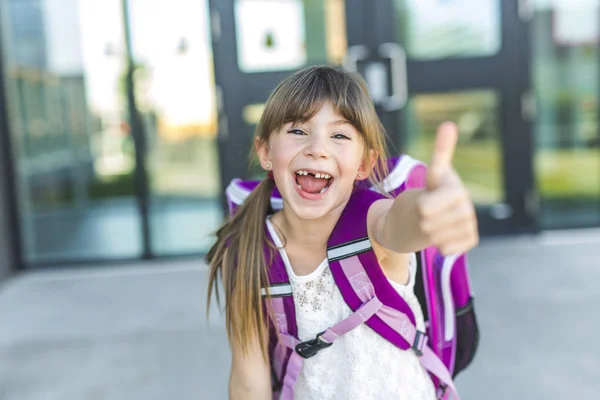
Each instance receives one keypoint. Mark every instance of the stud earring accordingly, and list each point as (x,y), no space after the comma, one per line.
(359,176)
(268,165)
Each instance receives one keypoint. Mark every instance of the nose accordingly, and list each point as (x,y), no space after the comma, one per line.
(317,147)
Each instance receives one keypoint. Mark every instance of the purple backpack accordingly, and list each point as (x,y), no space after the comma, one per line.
(442,287)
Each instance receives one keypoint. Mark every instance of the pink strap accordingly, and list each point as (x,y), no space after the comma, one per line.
(432,363)
(291,375)
(286,340)
(358,317)
(398,321)
(429,360)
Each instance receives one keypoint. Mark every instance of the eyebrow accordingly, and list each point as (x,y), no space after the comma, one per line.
(340,122)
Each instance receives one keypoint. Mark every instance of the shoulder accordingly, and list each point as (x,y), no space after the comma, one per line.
(369,204)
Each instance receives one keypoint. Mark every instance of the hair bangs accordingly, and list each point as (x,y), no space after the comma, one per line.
(306,96)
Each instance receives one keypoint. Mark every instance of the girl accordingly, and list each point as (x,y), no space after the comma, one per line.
(318,137)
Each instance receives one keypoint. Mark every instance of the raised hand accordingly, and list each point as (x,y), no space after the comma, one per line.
(447,214)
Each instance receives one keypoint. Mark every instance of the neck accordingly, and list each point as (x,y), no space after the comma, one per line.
(310,234)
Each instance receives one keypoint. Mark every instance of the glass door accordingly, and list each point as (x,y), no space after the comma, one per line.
(256,43)
(427,61)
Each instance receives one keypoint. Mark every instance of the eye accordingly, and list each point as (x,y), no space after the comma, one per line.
(296,132)
(340,136)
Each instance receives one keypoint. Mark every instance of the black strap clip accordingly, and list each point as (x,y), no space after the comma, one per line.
(419,343)
(311,347)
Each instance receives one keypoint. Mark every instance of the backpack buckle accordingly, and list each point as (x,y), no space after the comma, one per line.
(419,343)
(311,347)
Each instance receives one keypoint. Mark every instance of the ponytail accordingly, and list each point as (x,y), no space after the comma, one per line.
(238,257)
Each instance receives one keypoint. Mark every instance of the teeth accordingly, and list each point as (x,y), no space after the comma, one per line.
(324,189)
(318,175)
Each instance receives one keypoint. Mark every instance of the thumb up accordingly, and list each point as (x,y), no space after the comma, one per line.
(447,214)
(443,151)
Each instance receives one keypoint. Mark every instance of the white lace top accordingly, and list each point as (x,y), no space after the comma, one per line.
(360,365)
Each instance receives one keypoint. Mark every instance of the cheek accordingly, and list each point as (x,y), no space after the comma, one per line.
(351,159)
(282,154)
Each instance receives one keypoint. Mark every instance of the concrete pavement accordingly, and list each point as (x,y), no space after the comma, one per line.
(140,331)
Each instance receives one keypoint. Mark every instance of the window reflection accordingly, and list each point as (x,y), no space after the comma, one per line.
(433,29)
(478,153)
(288,34)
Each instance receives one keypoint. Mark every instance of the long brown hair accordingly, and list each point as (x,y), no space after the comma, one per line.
(238,254)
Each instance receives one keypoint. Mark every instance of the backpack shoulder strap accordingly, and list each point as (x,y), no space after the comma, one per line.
(282,327)
(361,281)
(405,173)
(348,239)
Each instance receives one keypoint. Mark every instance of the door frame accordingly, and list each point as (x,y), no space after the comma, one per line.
(10,228)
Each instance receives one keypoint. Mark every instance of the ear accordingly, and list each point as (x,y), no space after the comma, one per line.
(367,165)
(264,153)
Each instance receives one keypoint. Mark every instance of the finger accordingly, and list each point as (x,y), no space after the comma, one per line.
(443,151)
(435,204)
(445,144)
(459,247)
(459,215)
(448,236)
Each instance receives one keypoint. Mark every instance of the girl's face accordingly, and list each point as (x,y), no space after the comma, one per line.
(315,163)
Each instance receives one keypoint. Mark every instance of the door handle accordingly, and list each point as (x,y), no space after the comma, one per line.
(354,54)
(397,100)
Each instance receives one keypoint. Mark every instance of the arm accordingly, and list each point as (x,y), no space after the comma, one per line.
(393,263)
(397,226)
(250,377)
(442,214)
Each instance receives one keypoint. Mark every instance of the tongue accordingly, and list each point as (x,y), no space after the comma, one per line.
(311,184)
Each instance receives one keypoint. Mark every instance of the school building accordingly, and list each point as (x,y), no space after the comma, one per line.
(122,121)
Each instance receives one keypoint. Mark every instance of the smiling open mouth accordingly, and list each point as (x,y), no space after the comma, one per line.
(313,182)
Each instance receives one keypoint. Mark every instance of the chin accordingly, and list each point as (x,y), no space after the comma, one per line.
(316,210)
(310,213)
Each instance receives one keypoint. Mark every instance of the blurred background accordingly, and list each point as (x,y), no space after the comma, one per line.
(122,121)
